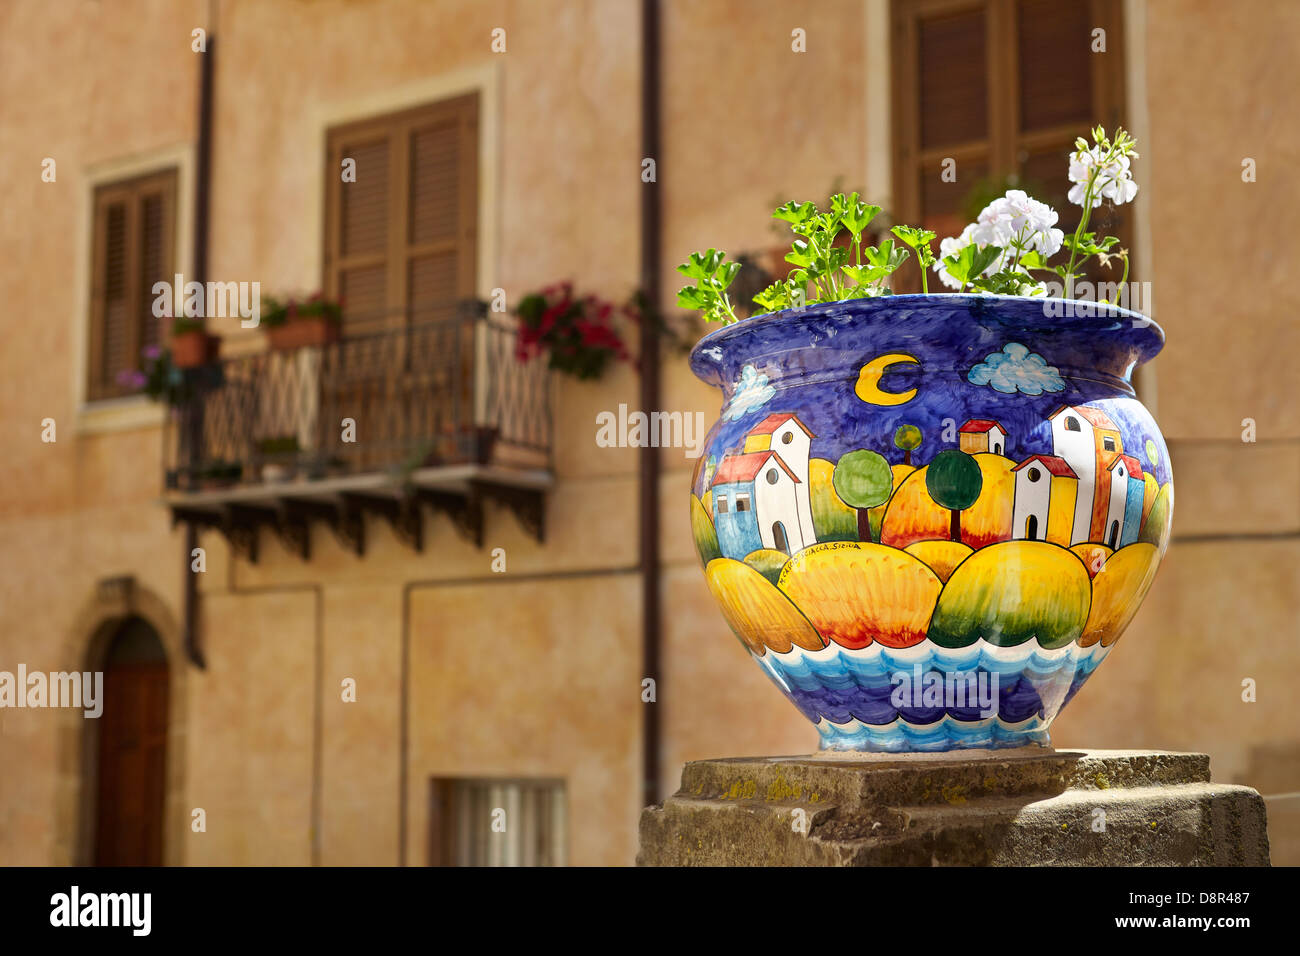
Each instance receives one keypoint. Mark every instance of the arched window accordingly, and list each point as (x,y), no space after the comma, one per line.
(1114,534)
(1072,424)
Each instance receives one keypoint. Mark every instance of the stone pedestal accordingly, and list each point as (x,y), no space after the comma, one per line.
(965,808)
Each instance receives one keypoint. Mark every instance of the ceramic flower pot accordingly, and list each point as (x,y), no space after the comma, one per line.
(193,349)
(301,332)
(929,518)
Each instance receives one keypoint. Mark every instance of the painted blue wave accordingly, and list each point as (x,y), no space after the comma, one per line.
(849,694)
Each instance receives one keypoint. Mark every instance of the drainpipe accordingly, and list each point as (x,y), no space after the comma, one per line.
(202,189)
(651,242)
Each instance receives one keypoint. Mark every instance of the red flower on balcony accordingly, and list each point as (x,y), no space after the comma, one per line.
(577,333)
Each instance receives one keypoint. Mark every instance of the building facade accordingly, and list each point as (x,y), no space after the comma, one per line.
(341,674)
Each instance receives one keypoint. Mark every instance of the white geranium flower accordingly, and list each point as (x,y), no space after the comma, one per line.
(1019,219)
(1114,179)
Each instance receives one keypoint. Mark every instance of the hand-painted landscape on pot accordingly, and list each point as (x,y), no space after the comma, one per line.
(985,529)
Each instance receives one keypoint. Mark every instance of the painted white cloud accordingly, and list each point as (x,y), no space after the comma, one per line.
(752,391)
(1016,369)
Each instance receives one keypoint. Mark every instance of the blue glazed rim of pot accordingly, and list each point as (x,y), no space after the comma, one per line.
(1114,340)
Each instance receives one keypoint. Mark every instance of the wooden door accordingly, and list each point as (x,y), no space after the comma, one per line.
(132,764)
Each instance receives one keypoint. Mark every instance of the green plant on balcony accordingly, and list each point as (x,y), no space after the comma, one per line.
(161,379)
(292,323)
(279,456)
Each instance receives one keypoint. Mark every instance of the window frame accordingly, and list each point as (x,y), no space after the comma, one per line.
(131,190)
(396,127)
(1004,141)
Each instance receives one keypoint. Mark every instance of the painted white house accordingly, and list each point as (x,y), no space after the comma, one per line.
(982,435)
(761,497)
(791,439)
(1046,487)
(1073,440)
(755,505)
(1124,512)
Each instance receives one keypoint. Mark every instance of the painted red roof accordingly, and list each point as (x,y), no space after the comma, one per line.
(745,467)
(773,422)
(1053,463)
(1134,468)
(1099,419)
(979,426)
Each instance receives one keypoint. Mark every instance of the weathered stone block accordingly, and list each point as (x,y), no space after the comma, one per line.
(964,808)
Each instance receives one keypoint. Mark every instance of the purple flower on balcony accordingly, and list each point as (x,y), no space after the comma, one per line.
(151,352)
(131,378)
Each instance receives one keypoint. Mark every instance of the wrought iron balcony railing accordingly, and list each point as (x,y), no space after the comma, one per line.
(419,396)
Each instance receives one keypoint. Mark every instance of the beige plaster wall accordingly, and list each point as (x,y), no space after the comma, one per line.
(287,771)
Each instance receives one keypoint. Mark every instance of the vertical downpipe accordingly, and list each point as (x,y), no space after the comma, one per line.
(194,422)
(651,241)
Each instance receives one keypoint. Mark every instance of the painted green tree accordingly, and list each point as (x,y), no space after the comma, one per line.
(954,481)
(908,438)
(863,480)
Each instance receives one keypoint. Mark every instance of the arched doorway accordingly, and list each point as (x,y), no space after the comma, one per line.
(131,749)
(779,539)
(1114,535)
(1031,528)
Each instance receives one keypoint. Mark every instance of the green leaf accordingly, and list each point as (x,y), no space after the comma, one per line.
(726,272)
(918,240)
(801,253)
(795,213)
(970,262)
(857,215)
(1033,259)
(693,298)
(885,256)
(774,298)
(865,275)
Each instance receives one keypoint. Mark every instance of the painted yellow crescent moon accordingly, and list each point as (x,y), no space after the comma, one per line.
(868,387)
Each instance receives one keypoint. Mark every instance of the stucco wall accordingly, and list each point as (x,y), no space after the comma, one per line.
(521,673)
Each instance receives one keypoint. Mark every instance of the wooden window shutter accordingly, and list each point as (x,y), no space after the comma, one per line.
(134,243)
(1002,87)
(400,243)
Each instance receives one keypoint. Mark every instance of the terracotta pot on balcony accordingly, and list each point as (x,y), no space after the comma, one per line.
(297,333)
(192,349)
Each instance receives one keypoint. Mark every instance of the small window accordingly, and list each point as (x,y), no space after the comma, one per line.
(742,502)
(787,438)
(1072,424)
(1034,474)
(772,476)
(722,504)
(463,813)
(134,228)
(1108,443)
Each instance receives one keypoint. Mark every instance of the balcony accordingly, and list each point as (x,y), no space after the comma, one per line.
(423,415)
